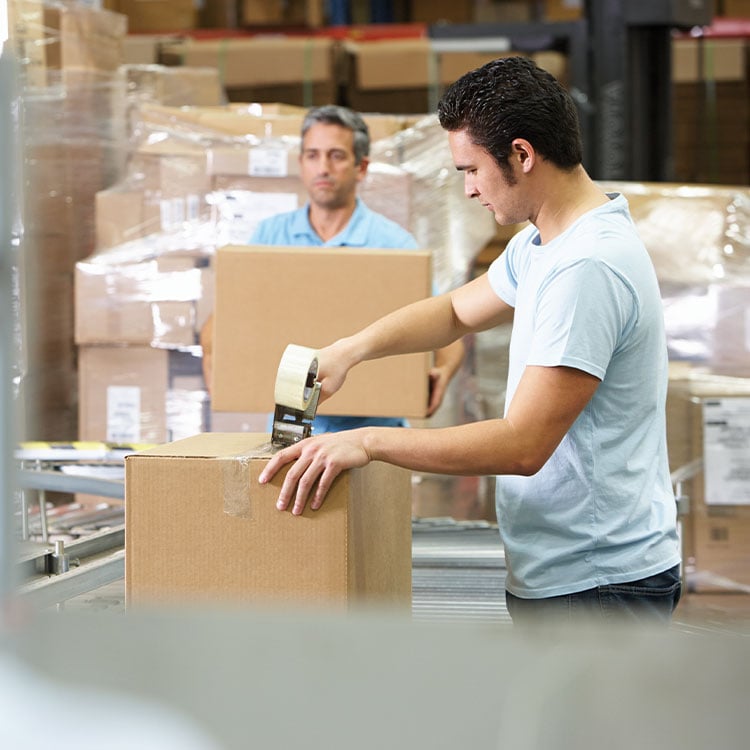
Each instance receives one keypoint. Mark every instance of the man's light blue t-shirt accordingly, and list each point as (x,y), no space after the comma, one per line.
(366,228)
(601,510)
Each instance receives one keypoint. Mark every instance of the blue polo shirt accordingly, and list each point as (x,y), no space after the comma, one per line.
(366,228)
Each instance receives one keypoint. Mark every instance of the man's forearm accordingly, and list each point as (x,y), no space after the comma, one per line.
(427,325)
(450,357)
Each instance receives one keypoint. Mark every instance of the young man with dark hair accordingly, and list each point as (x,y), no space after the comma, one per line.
(584,500)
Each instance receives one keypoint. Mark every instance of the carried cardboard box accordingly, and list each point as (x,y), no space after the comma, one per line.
(200,528)
(269,297)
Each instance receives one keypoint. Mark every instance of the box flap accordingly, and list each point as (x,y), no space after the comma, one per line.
(213,445)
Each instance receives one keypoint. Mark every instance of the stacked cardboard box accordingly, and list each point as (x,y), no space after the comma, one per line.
(708,418)
(203,183)
(294,70)
(272,13)
(694,234)
(72,148)
(408,76)
(147,16)
(711,101)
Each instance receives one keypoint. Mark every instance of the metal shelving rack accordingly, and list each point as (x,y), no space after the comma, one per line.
(619,75)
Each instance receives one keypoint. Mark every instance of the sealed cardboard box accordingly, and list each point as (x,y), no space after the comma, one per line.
(148,301)
(53,37)
(708,424)
(123,393)
(269,297)
(199,527)
(158,15)
(259,61)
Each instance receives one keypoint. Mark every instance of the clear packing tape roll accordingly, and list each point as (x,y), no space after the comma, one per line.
(295,379)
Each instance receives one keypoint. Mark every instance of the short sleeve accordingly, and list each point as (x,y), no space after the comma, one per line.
(583,314)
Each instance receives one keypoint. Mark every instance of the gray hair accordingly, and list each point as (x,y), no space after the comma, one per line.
(332,114)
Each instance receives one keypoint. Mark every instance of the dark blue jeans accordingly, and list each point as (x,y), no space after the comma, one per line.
(650,600)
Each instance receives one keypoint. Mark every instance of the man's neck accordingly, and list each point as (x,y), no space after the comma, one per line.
(565,201)
(328,222)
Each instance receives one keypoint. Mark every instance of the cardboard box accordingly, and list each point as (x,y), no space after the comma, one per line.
(442,11)
(709,60)
(199,528)
(290,13)
(146,301)
(722,552)
(734,8)
(258,60)
(158,15)
(173,86)
(50,38)
(503,11)
(141,49)
(269,297)
(563,10)
(717,526)
(146,394)
(408,76)
(123,215)
(122,394)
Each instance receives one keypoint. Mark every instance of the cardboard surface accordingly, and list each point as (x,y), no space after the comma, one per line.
(717,532)
(257,60)
(269,297)
(199,527)
(122,393)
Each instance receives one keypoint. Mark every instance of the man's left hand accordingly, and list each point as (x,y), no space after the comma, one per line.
(317,461)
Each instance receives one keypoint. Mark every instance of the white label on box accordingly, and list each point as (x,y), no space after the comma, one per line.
(240,211)
(268,162)
(123,414)
(193,207)
(726,450)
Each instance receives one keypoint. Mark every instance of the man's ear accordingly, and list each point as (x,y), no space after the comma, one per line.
(523,152)
(362,167)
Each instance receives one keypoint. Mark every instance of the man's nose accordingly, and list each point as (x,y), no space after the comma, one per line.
(470,188)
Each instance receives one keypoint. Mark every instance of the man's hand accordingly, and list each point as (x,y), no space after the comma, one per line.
(447,361)
(317,462)
(439,380)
